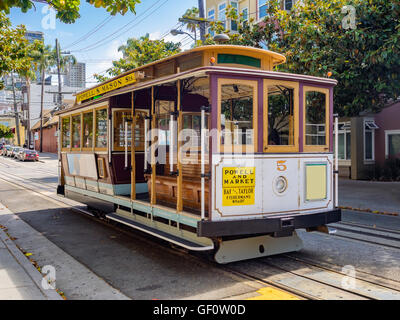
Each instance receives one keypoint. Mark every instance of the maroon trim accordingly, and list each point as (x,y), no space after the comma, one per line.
(301,117)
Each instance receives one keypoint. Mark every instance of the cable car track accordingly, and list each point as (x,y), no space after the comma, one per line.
(200,258)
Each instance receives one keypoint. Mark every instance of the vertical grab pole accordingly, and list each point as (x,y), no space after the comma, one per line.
(171,143)
(146,143)
(203,158)
(336,160)
(126,143)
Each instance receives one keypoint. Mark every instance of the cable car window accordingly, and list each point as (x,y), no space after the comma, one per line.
(76,131)
(280,115)
(139,129)
(237,104)
(316,116)
(66,133)
(193,122)
(88,130)
(101,128)
(120,118)
(163,112)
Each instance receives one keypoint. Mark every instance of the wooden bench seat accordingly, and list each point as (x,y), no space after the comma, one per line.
(167,188)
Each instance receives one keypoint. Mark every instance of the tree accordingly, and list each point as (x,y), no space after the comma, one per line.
(365,60)
(138,52)
(15,56)
(68,10)
(5,132)
(45,58)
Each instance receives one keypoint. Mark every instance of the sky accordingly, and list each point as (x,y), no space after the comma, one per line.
(95,37)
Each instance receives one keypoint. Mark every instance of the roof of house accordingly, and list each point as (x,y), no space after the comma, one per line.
(48,120)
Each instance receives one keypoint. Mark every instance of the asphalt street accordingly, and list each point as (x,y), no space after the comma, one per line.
(141,267)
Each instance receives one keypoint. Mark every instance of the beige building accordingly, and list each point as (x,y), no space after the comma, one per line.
(251,9)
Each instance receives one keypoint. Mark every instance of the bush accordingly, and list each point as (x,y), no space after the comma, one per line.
(390,171)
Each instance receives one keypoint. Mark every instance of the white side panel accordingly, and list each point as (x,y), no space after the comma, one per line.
(263,198)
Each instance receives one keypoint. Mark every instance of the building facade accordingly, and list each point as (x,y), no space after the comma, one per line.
(250,9)
(50,135)
(367,141)
(76,75)
(10,122)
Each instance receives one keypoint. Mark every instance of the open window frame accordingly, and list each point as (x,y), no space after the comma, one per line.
(281,148)
(317,148)
(238,148)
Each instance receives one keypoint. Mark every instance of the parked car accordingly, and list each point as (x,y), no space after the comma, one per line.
(4,150)
(28,155)
(14,152)
(9,151)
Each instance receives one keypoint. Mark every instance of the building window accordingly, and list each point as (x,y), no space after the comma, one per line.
(262,8)
(288,4)
(76,131)
(211,17)
(88,130)
(101,128)
(234,25)
(369,140)
(392,139)
(344,136)
(245,15)
(222,14)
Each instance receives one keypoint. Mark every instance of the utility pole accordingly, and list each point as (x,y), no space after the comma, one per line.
(202,24)
(59,100)
(41,112)
(16,110)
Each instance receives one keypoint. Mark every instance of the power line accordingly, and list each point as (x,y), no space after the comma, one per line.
(94,30)
(101,42)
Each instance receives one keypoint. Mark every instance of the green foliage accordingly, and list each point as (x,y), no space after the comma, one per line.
(138,52)
(15,49)
(364,60)
(5,132)
(68,10)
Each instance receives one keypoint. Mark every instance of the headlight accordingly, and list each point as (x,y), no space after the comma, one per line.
(281,184)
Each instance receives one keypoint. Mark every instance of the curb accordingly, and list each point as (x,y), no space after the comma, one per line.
(32,272)
(393,214)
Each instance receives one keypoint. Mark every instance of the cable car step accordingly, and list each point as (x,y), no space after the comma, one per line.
(187,244)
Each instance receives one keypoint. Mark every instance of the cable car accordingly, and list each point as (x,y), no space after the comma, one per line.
(208,149)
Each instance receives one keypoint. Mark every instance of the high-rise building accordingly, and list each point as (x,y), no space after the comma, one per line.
(76,75)
(34,35)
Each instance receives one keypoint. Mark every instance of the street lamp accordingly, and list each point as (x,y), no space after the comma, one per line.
(176,32)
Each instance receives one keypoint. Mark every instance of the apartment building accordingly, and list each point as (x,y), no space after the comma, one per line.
(251,9)
(76,75)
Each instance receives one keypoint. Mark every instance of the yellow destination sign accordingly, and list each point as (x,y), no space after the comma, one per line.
(238,186)
(107,87)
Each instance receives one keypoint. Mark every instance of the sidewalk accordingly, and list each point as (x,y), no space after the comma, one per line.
(45,156)
(371,196)
(19,279)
